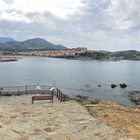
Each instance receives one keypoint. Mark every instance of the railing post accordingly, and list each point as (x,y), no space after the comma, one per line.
(61,97)
(26,89)
(18,90)
(32,100)
(52,95)
(57,93)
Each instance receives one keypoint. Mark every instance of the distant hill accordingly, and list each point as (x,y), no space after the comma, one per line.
(30,44)
(119,55)
(129,55)
(6,39)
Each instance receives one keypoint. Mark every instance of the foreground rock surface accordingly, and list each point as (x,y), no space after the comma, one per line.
(52,121)
(126,120)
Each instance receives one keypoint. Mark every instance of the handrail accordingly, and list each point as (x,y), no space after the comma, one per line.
(32,89)
(60,95)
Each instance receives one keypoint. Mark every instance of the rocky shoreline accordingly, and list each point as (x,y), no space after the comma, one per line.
(134,96)
(8,59)
(119,117)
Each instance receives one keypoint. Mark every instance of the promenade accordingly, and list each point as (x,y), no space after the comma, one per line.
(21,120)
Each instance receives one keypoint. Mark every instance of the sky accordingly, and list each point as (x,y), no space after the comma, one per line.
(96,24)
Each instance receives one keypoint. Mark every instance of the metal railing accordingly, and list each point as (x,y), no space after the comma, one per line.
(21,90)
(60,95)
(32,89)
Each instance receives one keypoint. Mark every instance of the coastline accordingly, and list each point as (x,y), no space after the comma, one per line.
(111,59)
(76,58)
(9,60)
(6,58)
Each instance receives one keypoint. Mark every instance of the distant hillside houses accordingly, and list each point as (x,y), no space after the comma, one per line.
(80,49)
(1,53)
(70,53)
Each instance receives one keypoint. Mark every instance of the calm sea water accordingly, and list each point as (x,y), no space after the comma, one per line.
(75,76)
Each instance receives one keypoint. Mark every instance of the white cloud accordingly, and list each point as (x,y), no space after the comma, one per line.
(3,5)
(124,14)
(60,8)
(9,1)
(13,15)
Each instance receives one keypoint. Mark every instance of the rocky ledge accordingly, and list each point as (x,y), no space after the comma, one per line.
(135,97)
(53,121)
(122,118)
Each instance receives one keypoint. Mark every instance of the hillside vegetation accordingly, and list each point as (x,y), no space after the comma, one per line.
(29,45)
(120,55)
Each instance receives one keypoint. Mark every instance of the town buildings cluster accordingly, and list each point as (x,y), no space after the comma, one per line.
(1,53)
(56,53)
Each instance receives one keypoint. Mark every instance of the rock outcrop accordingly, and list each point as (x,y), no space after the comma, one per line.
(135,97)
(123,85)
(113,85)
(122,118)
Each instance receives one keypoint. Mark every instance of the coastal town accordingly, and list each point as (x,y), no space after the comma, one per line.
(4,58)
(81,53)
(68,53)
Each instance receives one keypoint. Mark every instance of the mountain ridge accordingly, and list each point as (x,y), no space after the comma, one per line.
(30,44)
(6,39)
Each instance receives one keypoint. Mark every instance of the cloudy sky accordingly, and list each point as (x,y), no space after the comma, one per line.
(95,24)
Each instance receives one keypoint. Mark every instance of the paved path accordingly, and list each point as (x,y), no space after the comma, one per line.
(23,99)
(51,121)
